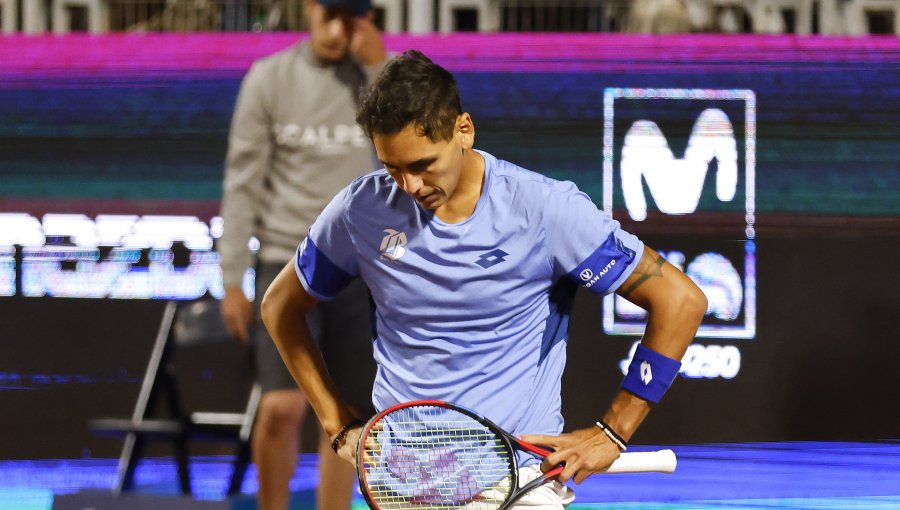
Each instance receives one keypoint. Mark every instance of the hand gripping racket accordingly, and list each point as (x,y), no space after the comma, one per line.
(430,455)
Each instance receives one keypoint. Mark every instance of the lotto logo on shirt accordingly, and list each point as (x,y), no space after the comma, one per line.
(679,171)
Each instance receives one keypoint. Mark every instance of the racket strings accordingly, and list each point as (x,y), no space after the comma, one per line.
(430,457)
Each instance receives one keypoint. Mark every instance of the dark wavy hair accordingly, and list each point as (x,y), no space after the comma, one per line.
(411,89)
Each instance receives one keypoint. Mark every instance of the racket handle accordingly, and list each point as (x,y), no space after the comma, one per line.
(661,461)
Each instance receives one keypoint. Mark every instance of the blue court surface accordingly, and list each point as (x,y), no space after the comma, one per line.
(795,475)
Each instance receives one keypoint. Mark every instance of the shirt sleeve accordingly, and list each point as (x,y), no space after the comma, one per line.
(586,244)
(246,167)
(326,260)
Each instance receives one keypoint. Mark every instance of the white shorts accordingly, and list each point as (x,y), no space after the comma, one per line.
(549,496)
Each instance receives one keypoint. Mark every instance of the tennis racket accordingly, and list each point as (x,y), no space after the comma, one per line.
(430,454)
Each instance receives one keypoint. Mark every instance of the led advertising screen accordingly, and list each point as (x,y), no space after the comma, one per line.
(764,167)
(111,148)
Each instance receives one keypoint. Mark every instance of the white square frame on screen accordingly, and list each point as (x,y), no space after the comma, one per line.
(746,330)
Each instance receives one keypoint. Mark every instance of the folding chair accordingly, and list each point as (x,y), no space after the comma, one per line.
(183,325)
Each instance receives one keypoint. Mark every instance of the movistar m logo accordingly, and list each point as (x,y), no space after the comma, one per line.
(491,258)
(676,184)
(707,144)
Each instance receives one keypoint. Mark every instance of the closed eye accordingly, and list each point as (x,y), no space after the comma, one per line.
(418,166)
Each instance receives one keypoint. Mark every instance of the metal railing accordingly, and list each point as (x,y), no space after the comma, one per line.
(856,17)
(562,15)
(205,15)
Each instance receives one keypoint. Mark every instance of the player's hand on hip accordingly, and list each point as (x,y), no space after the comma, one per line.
(366,43)
(584,452)
(237,312)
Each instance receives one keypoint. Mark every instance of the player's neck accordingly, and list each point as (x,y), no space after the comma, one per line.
(471,180)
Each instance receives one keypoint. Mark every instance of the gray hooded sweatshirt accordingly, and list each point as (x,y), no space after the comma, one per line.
(294,143)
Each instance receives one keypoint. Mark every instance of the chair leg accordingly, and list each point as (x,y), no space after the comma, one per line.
(241,462)
(131,453)
(181,457)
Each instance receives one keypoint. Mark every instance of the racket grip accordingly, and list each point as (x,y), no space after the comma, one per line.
(661,461)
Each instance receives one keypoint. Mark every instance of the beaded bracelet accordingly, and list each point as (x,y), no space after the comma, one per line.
(611,434)
(341,436)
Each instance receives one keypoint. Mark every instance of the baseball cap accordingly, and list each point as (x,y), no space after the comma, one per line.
(357,7)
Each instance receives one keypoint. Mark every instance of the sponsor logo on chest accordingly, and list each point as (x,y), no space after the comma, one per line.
(393,244)
(393,247)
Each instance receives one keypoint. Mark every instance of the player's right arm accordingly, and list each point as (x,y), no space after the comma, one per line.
(284,310)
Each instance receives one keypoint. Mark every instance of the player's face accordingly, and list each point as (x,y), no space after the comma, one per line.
(330,30)
(429,171)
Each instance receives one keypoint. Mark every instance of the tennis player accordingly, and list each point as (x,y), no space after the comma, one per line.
(473,264)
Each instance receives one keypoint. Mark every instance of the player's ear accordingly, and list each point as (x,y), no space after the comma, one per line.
(465,128)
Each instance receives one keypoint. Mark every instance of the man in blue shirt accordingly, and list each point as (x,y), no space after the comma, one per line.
(473,264)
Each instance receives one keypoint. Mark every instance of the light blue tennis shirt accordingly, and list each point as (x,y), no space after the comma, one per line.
(475,313)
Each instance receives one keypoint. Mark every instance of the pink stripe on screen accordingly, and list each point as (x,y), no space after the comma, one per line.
(127,55)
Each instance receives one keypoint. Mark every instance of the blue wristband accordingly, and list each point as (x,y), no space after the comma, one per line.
(650,374)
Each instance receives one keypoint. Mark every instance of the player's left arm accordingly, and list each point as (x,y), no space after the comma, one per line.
(675,307)
(674,303)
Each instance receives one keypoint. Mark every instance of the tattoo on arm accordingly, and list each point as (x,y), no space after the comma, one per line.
(647,269)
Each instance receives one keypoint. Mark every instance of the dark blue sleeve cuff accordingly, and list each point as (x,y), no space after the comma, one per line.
(318,274)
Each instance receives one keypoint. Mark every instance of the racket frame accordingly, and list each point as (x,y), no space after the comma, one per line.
(510,441)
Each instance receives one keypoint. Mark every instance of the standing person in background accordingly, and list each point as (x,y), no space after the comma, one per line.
(294,143)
